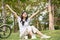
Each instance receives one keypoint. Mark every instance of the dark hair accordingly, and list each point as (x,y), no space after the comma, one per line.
(22,18)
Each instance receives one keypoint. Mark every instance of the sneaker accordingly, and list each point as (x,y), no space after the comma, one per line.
(33,37)
(25,37)
(45,36)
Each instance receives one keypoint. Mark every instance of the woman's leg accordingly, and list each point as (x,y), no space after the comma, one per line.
(31,33)
(39,33)
(35,30)
(23,32)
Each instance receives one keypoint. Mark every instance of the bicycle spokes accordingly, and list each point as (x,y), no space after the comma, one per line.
(5,31)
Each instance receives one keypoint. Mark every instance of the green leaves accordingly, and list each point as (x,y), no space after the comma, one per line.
(23,0)
(33,0)
(56,2)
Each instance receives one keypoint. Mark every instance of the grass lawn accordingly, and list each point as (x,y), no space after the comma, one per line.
(55,35)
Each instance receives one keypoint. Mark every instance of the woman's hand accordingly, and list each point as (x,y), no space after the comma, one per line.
(12,10)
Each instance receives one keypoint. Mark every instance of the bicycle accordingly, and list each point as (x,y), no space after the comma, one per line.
(5,31)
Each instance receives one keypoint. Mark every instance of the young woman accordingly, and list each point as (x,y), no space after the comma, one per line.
(24,26)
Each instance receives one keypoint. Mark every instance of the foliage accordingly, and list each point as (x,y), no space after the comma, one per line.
(31,6)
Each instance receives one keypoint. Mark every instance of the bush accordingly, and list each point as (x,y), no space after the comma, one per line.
(9,21)
(57,27)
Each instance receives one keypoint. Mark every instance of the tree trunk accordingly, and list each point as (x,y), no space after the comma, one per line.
(51,23)
(53,15)
(15,25)
(3,14)
(37,24)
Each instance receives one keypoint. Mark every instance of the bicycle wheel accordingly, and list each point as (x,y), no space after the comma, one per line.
(6,31)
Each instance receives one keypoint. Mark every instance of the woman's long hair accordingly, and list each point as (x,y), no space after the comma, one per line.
(22,18)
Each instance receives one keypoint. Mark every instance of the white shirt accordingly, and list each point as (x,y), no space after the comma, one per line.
(26,24)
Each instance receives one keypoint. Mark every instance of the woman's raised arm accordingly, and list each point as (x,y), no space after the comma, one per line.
(15,14)
(34,14)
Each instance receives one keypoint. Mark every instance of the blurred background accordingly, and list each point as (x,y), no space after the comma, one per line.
(47,19)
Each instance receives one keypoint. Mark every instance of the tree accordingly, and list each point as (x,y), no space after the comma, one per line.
(51,20)
(3,14)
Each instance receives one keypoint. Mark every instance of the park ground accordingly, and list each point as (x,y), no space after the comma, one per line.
(55,35)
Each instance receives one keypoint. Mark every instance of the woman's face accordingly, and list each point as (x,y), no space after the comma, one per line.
(24,15)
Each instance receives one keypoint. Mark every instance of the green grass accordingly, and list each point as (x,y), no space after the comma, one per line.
(55,35)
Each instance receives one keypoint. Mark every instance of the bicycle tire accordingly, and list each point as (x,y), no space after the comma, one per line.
(7,26)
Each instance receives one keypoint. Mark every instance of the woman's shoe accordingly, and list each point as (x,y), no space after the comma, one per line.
(33,37)
(25,37)
(45,36)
